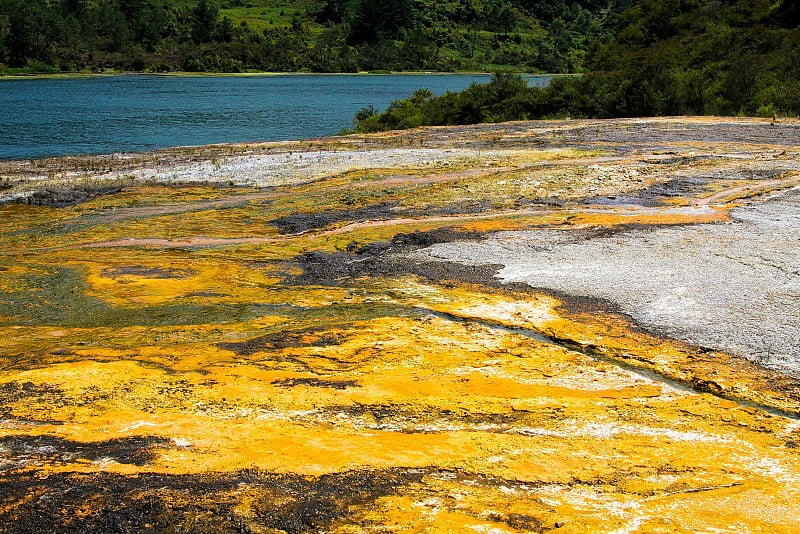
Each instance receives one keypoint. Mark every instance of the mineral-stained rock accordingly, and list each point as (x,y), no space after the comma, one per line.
(530,327)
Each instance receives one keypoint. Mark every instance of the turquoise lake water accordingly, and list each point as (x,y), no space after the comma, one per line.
(97,115)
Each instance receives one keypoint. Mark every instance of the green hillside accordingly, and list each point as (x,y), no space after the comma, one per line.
(301,35)
(672,57)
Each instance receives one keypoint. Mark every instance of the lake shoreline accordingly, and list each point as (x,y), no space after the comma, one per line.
(139,112)
(186,74)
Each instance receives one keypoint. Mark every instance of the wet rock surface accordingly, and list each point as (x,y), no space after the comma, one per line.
(566,326)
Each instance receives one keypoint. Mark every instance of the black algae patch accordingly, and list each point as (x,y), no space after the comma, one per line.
(658,194)
(62,198)
(297,223)
(591,305)
(384,259)
(17,391)
(109,503)
(341,268)
(28,393)
(432,237)
(523,522)
(284,340)
(23,450)
(315,383)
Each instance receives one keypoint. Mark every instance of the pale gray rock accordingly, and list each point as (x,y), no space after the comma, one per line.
(732,286)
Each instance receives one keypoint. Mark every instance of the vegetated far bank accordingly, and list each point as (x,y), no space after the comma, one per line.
(680,57)
(301,35)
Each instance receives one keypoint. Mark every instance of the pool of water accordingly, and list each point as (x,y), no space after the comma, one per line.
(95,115)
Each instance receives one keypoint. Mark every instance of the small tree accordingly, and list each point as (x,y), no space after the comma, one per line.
(204,21)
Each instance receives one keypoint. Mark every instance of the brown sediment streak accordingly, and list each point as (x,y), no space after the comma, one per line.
(171,361)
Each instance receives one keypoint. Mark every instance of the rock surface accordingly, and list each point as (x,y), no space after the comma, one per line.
(733,286)
(310,337)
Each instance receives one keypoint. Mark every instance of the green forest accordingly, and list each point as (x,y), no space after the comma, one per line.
(670,57)
(302,35)
(629,57)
